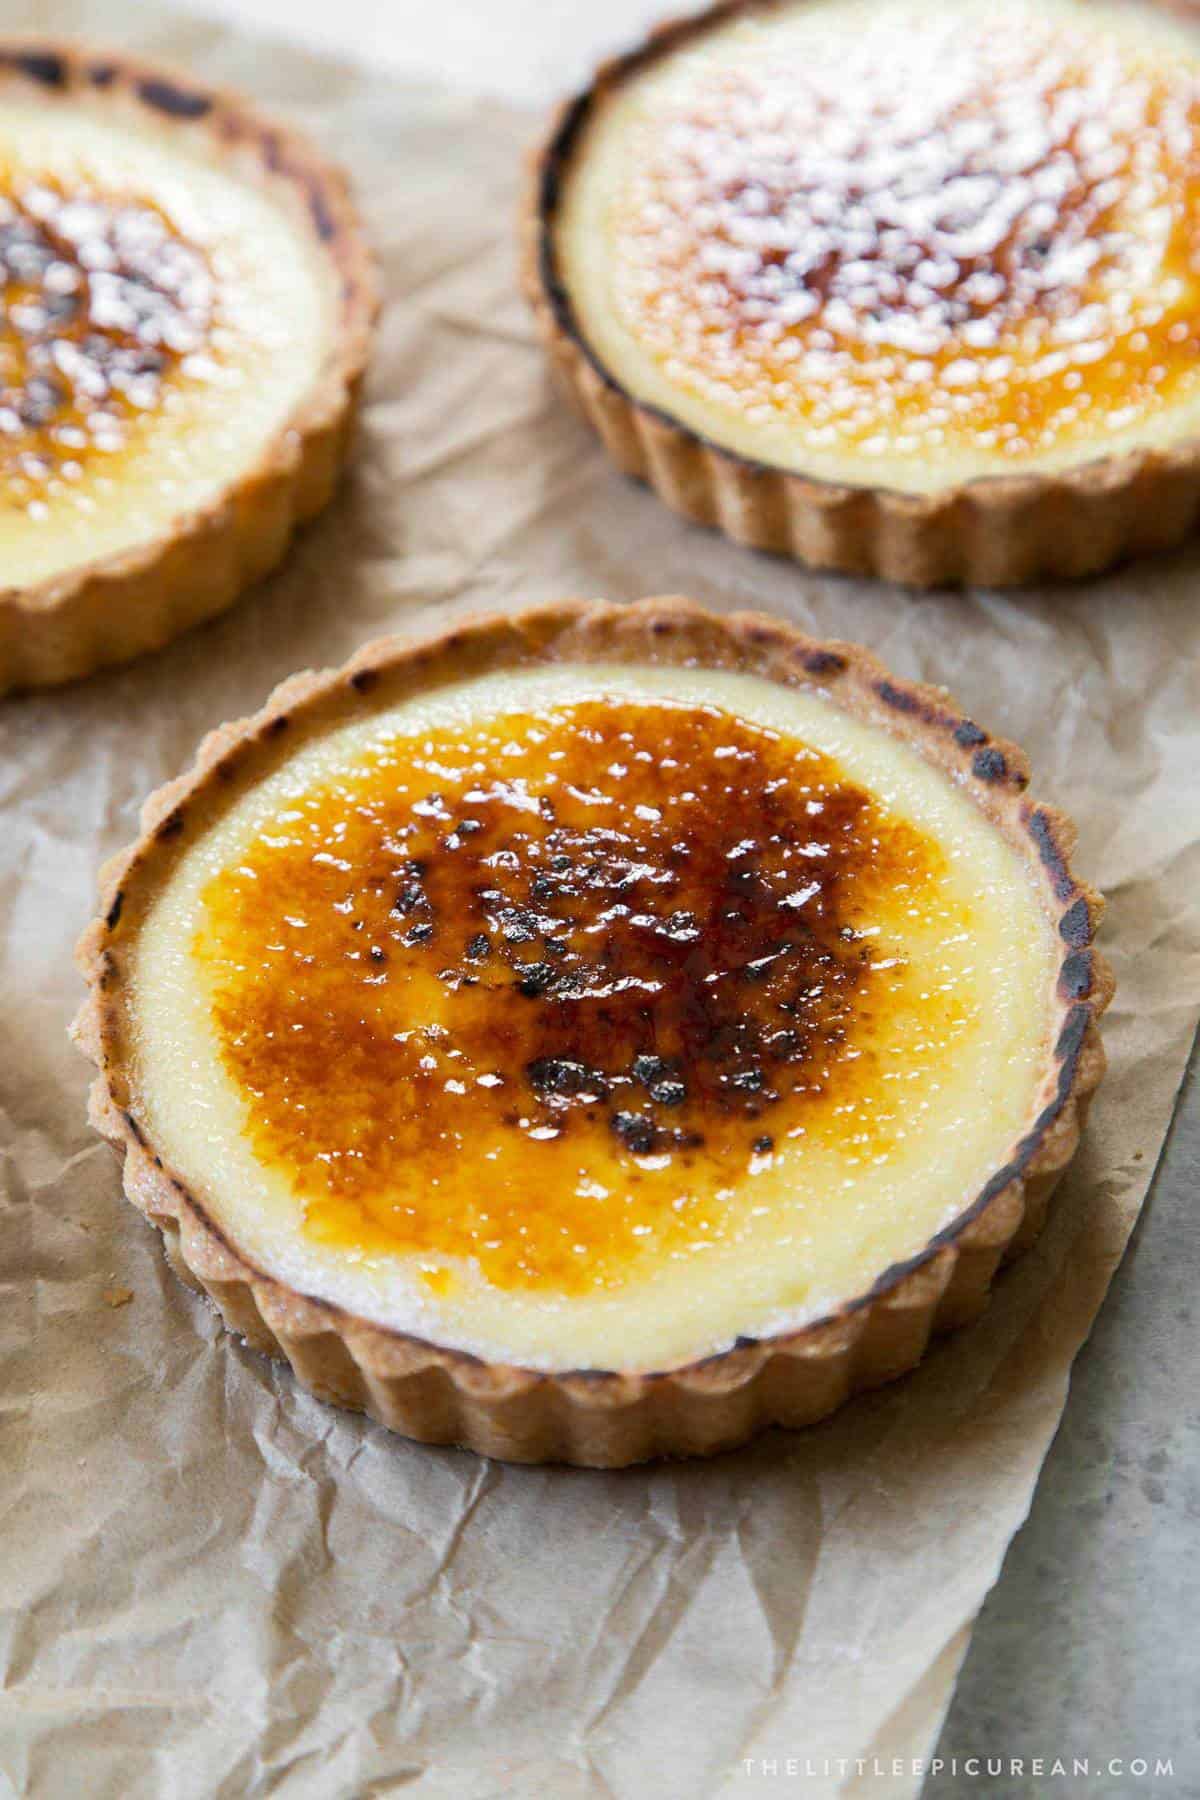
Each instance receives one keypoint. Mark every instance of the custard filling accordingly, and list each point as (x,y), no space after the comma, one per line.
(901,242)
(160,318)
(593,1016)
(101,305)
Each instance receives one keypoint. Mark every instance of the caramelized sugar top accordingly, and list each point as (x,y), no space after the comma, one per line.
(538,992)
(100,306)
(900,230)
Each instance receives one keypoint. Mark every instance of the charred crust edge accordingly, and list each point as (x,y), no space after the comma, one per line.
(1041,830)
(1075,926)
(823,662)
(282,150)
(177,102)
(900,699)
(967,735)
(1075,976)
(989,764)
(47,67)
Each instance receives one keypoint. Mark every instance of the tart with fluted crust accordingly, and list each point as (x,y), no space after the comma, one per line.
(598,1033)
(888,286)
(184,319)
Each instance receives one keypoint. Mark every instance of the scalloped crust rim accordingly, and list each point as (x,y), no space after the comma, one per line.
(608,1418)
(120,606)
(991,531)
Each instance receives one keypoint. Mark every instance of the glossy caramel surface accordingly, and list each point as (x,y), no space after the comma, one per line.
(102,303)
(898,228)
(538,992)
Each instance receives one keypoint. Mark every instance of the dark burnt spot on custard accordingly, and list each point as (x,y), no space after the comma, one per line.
(535,980)
(637,1131)
(559,1078)
(546,955)
(101,301)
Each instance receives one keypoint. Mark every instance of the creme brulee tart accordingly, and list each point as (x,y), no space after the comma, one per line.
(890,285)
(186,307)
(597,1033)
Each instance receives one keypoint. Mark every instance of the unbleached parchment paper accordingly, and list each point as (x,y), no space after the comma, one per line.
(211,1584)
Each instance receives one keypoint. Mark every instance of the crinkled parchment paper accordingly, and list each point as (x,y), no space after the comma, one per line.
(214,1585)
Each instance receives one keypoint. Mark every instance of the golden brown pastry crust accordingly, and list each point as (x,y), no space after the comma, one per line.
(606,1418)
(992,531)
(119,606)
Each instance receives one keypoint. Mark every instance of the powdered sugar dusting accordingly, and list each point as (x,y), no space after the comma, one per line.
(903,227)
(103,308)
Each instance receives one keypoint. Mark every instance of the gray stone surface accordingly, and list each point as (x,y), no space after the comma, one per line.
(1089,1644)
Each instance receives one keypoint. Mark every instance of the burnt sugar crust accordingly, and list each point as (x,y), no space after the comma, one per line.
(607,1417)
(118,606)
(992,530)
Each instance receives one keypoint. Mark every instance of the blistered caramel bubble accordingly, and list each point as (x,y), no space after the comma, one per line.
(539,992)
(911,229)
(102,302)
